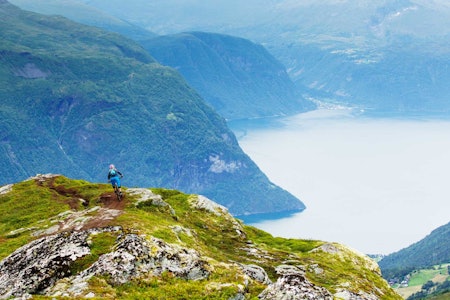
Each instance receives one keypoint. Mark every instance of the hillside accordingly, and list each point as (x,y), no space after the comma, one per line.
(71,238)
(76,98)
(432,250)
(238,78)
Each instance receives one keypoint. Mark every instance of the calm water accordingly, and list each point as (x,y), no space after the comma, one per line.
(376,185)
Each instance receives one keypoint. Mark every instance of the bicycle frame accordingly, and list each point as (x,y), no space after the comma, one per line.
(117,192)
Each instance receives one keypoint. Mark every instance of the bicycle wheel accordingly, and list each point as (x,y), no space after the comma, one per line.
(117,192)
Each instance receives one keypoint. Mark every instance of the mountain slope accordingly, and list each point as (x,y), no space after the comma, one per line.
(70,238)
(432,250)
(237,77)
(76,98)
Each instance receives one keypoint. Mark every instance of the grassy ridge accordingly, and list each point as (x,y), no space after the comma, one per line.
(214,236)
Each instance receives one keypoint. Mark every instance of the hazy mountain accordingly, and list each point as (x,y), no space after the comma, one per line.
(238,78)
(76,98)
(389,55)
(160,244)
(432,250)
(85,14)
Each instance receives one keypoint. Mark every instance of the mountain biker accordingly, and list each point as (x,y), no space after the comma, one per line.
(114,176)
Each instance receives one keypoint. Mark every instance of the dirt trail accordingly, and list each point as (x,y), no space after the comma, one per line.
(110,209)
(107,208)
(109,200)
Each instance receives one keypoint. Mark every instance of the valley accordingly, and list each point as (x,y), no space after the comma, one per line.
(415,281)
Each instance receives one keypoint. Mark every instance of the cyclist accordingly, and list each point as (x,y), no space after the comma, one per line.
(114,176)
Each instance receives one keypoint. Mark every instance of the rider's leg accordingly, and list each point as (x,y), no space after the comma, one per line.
(119,186)
(115,184)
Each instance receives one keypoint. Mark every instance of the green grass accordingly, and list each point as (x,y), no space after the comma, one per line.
(24,207)
(422,276)
(290,245)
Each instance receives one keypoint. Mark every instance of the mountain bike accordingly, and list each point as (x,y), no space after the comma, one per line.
(119,195)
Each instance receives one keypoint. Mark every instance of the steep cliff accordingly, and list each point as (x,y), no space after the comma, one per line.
(70,238)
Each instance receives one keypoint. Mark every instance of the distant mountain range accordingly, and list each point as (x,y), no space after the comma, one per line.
(76,98)
(432,250)
(387,56)
(238,78)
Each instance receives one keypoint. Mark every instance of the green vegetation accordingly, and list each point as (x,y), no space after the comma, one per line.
(420,277)
(425,283)
(220,239)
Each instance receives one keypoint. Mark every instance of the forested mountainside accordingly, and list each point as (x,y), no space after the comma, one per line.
(62,238)
(76,98)
(240,79)
(432,250)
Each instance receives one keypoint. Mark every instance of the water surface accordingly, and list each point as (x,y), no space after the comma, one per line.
(374,184)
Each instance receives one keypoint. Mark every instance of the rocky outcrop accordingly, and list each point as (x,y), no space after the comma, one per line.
(256,273)
(292,284)
(202,203)
(38,266)
(146,195)
(6,189)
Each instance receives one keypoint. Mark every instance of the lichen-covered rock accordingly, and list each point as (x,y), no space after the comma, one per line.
(202,203)
(37,265)
(256,273)
(146,195)
(292,285)
(182,262)
(133,257)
